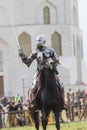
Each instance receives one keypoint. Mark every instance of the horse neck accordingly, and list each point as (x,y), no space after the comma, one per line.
(48,80)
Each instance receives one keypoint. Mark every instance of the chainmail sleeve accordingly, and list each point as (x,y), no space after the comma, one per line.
(55,57)
(28,60)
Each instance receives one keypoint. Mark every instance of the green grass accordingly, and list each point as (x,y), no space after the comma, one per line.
(63,126)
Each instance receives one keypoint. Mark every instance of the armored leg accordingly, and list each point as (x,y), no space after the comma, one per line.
(35,91)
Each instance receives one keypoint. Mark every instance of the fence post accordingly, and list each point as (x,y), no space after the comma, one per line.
(72,108)
(78,105)
(68,98)
(84,103)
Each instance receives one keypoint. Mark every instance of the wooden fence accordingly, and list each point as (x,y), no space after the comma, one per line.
(77,106)
(77,111)
(15,118)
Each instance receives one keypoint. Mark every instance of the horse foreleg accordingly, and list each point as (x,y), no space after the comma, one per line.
(36,119)
(57,113)
(44,120)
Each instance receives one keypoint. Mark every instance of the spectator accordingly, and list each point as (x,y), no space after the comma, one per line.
(1,116)
(17,98)
(4,101)
(86,93)
(11,116)
(19,106)
(70,91)
(79,92)
(19,116)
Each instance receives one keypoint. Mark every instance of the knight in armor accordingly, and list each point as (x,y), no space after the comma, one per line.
(42,52)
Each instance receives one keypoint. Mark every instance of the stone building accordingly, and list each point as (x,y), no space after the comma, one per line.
(21,21)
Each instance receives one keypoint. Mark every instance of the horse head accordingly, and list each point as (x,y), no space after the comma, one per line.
(48,64)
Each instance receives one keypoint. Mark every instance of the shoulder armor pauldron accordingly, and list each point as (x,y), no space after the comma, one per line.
(48,52)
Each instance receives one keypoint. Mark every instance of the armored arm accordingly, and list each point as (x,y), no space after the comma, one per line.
(55,57)
(25,59)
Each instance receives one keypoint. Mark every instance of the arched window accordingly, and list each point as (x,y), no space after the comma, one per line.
(46,12)
(25,43)
(56,43)
(1,61)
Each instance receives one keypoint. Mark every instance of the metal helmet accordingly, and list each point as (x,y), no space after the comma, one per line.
(40,40)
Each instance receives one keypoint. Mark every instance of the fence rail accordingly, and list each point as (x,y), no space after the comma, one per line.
(15,118)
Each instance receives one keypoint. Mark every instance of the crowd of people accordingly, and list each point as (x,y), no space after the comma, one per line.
(75,97)
(76,101)
(13,109)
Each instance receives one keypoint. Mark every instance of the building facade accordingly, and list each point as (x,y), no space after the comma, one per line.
(21,22)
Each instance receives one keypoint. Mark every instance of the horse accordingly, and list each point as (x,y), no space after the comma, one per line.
(49,97)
